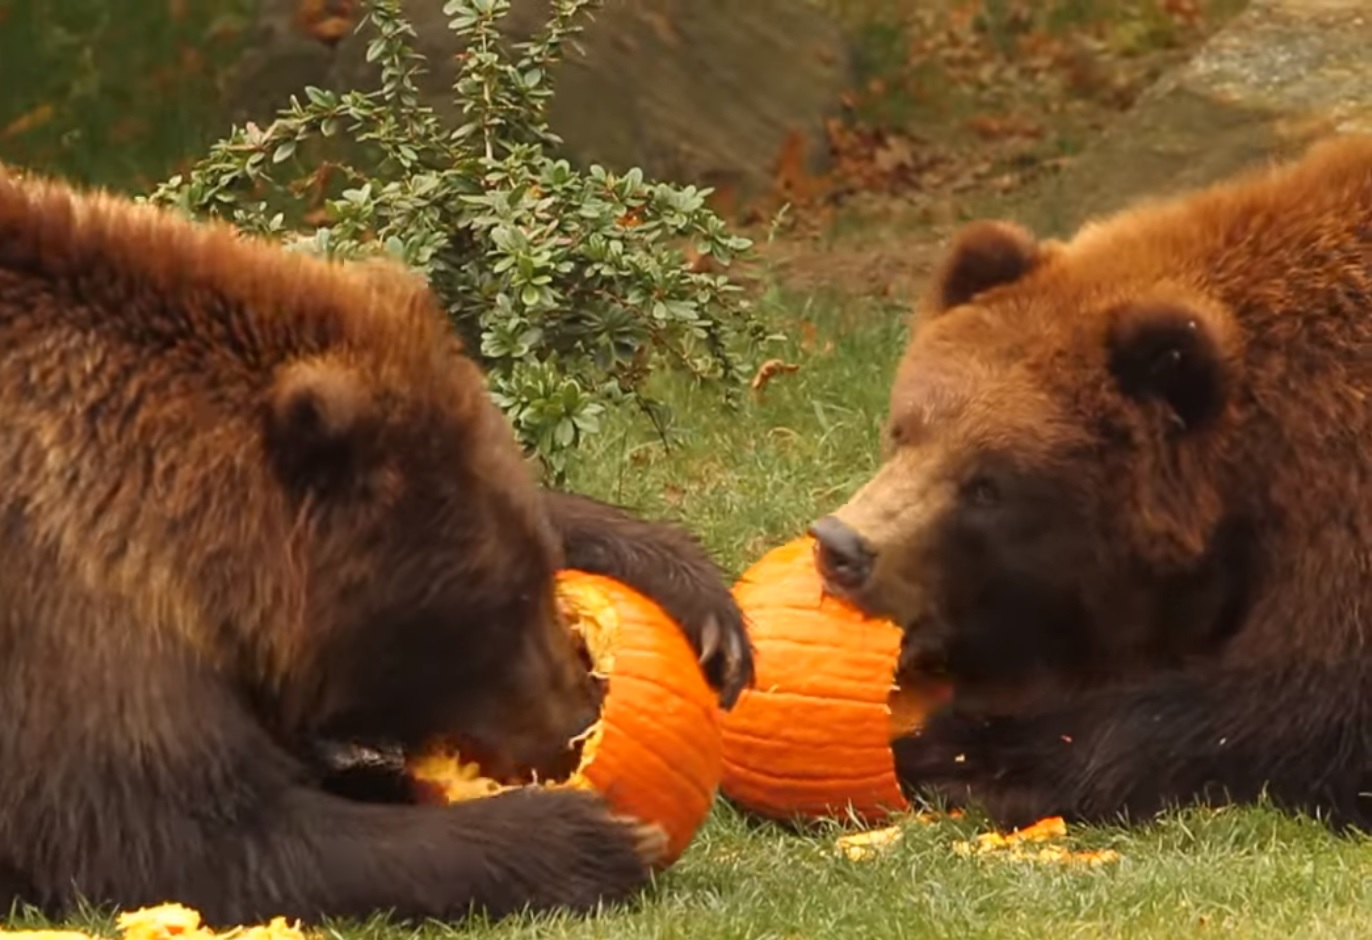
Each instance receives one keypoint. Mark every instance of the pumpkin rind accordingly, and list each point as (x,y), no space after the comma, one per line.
(656,753)
(812,739)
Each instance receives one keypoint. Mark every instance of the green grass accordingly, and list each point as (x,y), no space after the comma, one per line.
(1244,874)
(745,482)
(749,481)
(755,478)
(113,92)
(1252,874)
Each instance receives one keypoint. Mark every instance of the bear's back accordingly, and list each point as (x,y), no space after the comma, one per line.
(138,354)
(1283,242)
(98,267)
(1286,254)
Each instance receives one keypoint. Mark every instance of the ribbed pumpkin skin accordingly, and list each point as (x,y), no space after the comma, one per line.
(658,755)
(812,736)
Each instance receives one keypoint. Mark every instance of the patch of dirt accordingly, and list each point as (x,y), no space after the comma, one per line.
(880,264)
(966,103)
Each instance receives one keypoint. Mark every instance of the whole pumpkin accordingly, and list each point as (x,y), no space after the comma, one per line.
(655,754)
(812,738)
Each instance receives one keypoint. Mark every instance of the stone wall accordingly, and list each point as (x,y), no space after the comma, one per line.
(691,90)
(1277,76)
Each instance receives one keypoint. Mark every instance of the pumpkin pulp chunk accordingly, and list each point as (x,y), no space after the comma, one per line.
(453,775)
(910,704)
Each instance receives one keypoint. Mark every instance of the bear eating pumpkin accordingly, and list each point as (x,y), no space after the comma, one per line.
(252,500)
(1126,505)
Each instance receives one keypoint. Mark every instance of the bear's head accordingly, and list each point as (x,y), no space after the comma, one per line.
(423,557)
(1055,500)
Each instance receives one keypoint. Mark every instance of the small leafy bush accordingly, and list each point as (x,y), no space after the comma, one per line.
(570,287)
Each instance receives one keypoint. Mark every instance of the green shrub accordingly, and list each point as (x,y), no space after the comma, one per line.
(571,287)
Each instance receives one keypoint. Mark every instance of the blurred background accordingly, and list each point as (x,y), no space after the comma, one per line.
(861,115)
(887,111)
(848,137)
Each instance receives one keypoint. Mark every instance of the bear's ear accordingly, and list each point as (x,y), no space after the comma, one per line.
(320,416)
(984,255)
(1172,354)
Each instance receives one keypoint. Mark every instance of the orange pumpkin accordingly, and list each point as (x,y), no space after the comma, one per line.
(812,739)
(655,754)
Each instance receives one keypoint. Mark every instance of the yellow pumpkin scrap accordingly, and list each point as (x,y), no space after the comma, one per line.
(594,620)
(161,923)
(862,846)
(1013,846)
(168,922)
(276,929)
(655,752)
(443,767)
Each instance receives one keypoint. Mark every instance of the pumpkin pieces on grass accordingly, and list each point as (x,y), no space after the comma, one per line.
(1036,843)
(812,738)
(655,754)
(168,921)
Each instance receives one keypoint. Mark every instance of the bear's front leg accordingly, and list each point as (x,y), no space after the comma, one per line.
(14,888)
(318,856)
(1302,737)
(249,843)
(669,565)
(1011,770)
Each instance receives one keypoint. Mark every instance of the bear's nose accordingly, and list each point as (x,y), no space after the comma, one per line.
(844,559)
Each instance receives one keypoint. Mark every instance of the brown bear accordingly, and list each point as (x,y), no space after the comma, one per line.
(1126,505)
(253,500)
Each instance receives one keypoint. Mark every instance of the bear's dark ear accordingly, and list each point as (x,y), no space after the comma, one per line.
(319,416)
(1173,354)
(984,255)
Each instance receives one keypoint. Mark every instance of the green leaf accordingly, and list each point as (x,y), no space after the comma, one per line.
(563,304)
(565,433)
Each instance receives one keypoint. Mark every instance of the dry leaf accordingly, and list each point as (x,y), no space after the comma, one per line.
(27,121)
(792,180)
(326,20)
(770,370)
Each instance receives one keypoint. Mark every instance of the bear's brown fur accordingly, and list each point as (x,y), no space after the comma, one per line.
(252,500)
(1127,504)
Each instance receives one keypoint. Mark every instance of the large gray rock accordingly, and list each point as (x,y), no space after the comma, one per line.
(1277,76)
(698,90)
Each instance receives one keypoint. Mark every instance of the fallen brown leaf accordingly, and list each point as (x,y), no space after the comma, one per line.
(327,21)
(33,118)
(770,370)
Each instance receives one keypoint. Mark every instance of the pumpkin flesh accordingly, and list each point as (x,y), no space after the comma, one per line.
(812,739)
(655,753)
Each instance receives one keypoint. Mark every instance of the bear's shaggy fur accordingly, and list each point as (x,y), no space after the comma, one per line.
(1127,505)
(253,500)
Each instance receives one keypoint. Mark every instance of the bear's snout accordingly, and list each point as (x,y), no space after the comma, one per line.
(843,557)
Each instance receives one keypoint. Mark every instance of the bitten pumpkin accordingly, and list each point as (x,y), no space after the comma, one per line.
(812,738)
(656,753)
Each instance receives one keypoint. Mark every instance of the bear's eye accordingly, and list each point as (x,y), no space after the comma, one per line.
(981,491)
